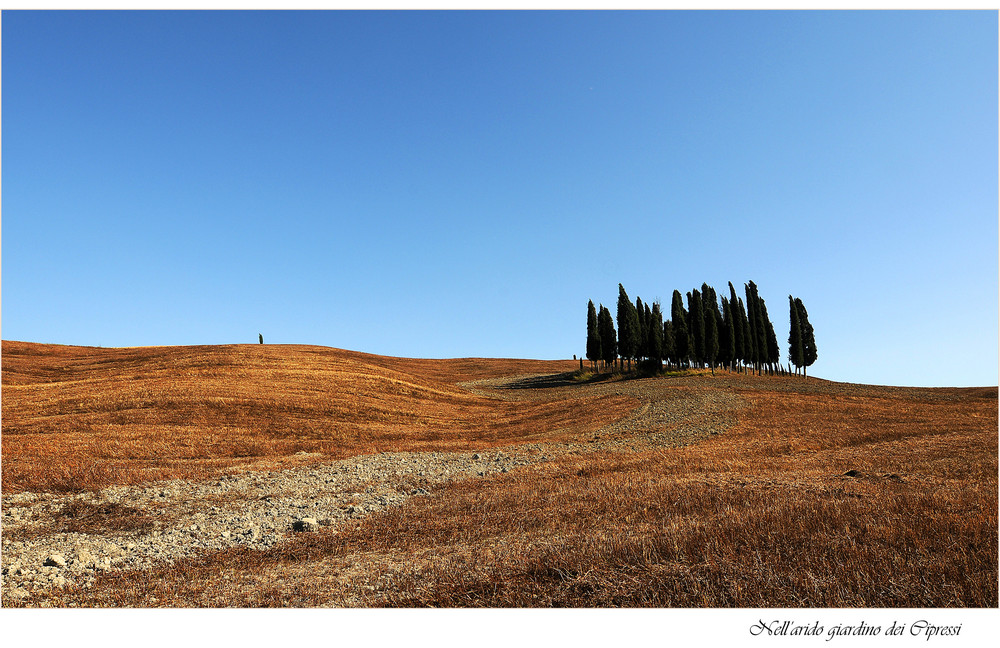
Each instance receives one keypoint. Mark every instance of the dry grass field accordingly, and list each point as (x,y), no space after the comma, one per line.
(81,418)
(820,495)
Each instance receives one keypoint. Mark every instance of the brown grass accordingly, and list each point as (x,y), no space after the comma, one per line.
(760,516)
(79,418)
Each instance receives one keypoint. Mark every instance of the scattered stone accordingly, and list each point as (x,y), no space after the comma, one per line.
(305,525)
(476,457)
(55,560)
(852,473)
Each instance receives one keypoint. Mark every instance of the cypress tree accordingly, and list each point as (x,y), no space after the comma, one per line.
(647,328)
(606,331)
(749,353)
(640,310)
(669,351)
(809,354)
(739,350)
(795,350)
(696,322)
(593,336)
(628,327)
(758,328)
(727,336)
(655,329)
(773,350)
(680,329)
(752,321)
(710,314)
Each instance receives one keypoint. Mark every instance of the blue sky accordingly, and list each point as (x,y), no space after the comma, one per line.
(446,184)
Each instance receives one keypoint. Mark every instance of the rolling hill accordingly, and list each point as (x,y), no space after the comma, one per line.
(482,482)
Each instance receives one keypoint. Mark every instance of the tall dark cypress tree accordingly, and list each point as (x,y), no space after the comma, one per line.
(771,340)
(749,348)
(809,354)
(727,336)
(669,351)
(593,336)
(628,326)
(650,329)
(640,310)
(606,330)
(679,319)
(696,321)
(758,328)
(739,350)
(710,313)
(795,349)
(656,336)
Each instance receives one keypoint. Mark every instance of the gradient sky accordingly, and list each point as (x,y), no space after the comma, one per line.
(446,184)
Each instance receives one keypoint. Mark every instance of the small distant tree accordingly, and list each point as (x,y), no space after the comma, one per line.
(593,336)
(606,331)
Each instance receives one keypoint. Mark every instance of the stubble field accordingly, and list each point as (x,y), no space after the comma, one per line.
(482,483)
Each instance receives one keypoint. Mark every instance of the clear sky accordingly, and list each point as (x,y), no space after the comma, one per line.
(446,184)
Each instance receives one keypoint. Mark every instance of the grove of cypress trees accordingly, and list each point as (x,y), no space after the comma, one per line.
(593,336)
(606,331)
(680,329)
